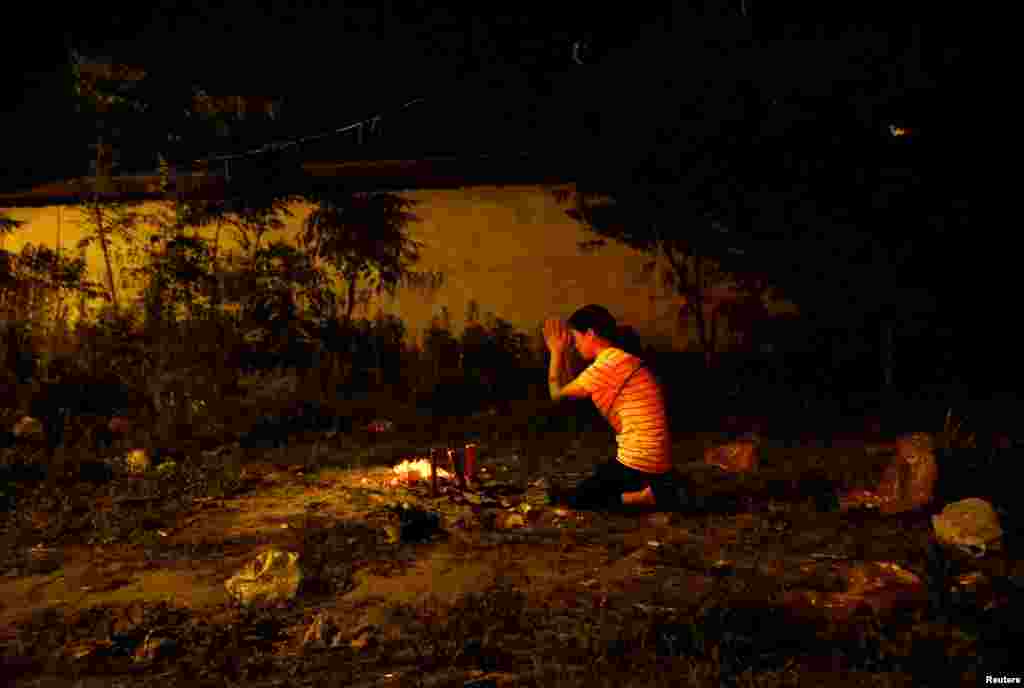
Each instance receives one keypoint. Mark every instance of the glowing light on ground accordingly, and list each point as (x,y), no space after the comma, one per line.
(417,469)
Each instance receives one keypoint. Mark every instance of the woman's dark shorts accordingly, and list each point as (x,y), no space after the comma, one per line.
(604,489)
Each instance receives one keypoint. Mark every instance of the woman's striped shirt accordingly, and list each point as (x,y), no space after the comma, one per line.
(637,414)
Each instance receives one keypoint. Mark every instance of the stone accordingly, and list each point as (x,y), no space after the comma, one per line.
(740,456)
(155,647)
(970,525)
(505,521)
(909,481)
(321,633)
(28,426)
(119,425)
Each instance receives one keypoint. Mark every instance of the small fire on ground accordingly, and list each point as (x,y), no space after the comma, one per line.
(412,470)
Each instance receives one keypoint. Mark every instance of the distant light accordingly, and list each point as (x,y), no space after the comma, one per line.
(898,131)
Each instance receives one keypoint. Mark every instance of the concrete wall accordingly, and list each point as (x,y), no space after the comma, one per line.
(512,249)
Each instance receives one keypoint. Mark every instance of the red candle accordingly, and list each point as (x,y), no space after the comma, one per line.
(433,473)
(469,465)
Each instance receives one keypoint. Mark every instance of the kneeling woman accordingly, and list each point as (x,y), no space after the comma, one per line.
(628,396)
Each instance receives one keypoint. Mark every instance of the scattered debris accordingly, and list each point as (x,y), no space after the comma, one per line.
(865,577)
(43,560)
(154,648)
(139,461)
(380,425)
(414,524)
(506,521)
(322,633)
(272,577)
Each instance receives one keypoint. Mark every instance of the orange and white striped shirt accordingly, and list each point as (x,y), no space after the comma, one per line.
(638,413)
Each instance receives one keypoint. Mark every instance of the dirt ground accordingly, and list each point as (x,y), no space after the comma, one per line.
(506,591)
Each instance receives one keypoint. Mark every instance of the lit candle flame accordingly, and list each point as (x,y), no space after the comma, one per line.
(898,131)
(418,469)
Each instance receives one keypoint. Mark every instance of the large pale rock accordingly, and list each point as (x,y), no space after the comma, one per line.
(971,525)
(907,483)
(274,576)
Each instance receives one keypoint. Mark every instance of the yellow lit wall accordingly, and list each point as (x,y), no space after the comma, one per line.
(513,249)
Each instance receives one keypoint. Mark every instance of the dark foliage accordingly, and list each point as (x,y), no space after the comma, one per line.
(450,398)
(12,476)
(294,355)
(73,397)
(273,431)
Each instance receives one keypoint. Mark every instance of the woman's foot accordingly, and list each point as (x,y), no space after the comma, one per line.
(644,497)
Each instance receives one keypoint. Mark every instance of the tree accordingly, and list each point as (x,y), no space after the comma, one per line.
(250,228)
(104,221)
(30,282)
(788,174)
(475,349)
(363,238)
(7,260)
(281,273)
(643,218)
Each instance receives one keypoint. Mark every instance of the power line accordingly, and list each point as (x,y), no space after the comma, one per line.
(373,123)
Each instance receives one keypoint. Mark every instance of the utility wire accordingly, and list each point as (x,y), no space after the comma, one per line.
(372,122)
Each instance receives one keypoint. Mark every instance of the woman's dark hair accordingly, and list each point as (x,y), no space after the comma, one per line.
(596,318)
(628,339)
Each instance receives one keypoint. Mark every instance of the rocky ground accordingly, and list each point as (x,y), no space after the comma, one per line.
(121,581)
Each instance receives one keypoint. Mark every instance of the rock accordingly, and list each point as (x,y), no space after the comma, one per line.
(42,560)
(740,456)
(166,469)
(273,576)
(154,648)
(28,427)
(909,481)
(119,425)
(321,633)
(510,520)
(970,525)
(83,649)
(362,639)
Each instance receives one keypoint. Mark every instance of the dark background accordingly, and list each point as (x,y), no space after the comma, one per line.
(505,79)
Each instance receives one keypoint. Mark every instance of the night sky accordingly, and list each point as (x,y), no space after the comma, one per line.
(333,64)
(512,80)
